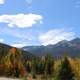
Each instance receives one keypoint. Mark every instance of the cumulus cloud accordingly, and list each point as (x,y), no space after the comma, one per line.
(56,35)
(2,1)
(21,20)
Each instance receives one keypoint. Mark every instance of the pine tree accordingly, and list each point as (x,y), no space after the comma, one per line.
(41,67)
(49,65)
(34,66)
(28,67)
(65,72)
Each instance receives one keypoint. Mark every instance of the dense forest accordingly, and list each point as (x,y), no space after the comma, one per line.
(45,68)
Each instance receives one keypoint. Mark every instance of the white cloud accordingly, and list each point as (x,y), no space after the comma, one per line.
(2,1)
(21,20)
(1,40)
(18,45)
(55,35)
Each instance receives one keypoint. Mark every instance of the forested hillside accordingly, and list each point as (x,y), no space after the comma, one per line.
(4,50)
(44,68)
(17,63)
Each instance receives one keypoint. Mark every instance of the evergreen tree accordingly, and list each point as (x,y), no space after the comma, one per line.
(34,66)
(65,72)
(41,67)
(49,65)
(28,67)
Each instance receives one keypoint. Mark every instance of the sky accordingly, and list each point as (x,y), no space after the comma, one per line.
(38,22)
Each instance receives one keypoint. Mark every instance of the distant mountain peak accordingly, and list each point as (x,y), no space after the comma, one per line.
(72,48)
(76,41)
(63,41)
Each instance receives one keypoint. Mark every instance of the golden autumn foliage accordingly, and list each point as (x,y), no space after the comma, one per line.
(75,63)
(14,64)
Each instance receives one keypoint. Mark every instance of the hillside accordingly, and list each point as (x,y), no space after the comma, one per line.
(14,66)
(4,49)
(71,48)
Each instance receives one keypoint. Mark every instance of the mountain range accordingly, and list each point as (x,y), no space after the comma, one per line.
(70,48)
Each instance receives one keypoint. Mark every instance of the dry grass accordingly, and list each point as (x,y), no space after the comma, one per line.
(2,78)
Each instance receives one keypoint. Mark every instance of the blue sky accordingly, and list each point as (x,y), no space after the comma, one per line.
(38,22)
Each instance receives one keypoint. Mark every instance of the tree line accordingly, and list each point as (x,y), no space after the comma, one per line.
(13,65)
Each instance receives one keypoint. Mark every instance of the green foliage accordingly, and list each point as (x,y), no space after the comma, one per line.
(66,72)
(44,66)
(40,67)
(49,65)
(36,66)
(13,65)
(28,67)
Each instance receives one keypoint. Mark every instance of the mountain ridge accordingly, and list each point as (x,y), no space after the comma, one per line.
(4,50)
(72,48)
